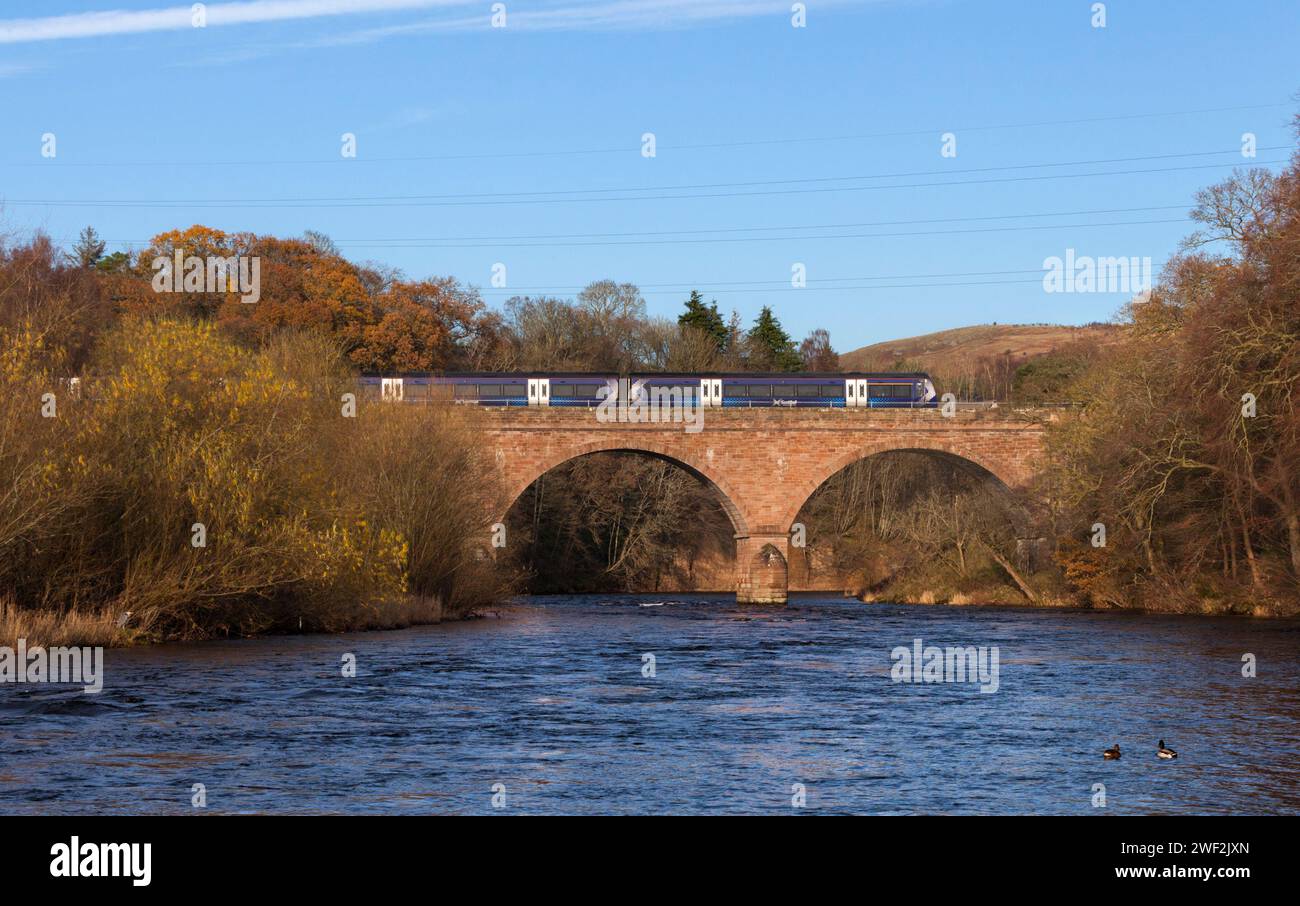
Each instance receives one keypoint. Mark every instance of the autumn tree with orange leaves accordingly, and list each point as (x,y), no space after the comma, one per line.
(382,321)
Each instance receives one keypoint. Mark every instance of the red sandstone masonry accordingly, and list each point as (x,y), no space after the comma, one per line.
(764,463)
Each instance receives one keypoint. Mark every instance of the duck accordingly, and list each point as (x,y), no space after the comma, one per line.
(1112,753)
(1162,752)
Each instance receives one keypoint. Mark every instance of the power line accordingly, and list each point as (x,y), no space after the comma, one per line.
(777,182)
(404,197)
(539,245)
(678,232)
(363,201)
(816,179)
(814,289)
(1031,125)
(635,148)
(542,245)
(677,287)
(821,226)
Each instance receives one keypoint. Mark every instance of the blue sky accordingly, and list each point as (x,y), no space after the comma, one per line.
(238,126)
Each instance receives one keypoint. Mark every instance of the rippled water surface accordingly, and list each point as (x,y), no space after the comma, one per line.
(549,700)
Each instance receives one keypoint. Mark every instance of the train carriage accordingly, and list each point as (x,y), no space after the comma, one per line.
(847,390)
(853,390)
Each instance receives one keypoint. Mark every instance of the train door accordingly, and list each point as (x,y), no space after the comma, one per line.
(539,391)
(711,391)
(391,388)
(855,393)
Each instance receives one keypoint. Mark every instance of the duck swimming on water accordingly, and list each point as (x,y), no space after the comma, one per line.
(1112,753)
(1162,752)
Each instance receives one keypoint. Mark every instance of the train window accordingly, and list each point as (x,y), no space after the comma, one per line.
(417,391)
(832,389)
(760,390)
(516,390)
(890,391)
(735,390)
(806,390)
(783,390)
(588,390)
(563,390)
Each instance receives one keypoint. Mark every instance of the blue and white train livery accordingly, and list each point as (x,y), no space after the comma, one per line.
(759,389)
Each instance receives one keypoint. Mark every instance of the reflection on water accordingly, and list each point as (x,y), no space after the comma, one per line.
(549,699)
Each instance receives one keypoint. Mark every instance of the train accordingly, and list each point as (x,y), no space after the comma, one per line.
(825,390)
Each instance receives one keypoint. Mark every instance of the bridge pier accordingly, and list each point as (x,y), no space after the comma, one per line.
(762,570)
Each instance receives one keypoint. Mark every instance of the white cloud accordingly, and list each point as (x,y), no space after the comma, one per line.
(605,14)
(650,13)
(125,22)
(557,16)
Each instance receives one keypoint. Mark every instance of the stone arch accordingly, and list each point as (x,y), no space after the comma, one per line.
(727,496)
(959,456)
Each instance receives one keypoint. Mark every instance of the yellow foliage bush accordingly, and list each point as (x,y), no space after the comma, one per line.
(212,490)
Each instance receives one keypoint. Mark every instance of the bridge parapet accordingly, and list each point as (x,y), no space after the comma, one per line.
(732,417)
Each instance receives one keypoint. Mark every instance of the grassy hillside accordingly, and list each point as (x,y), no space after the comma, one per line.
(936,351)
(1023,362)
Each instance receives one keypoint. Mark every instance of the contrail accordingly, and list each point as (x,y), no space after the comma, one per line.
(125,22)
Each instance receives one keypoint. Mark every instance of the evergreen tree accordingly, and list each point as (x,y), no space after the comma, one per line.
(770,347)
(118,261)
(704,318)
(89,248)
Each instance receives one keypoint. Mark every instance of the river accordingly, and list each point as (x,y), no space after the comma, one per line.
(545,707)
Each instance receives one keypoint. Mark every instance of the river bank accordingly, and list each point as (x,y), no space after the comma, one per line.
(1198,608)
(117,630)
(108,629)
(1047,589)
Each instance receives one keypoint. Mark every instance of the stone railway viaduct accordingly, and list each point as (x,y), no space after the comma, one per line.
(765,463)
